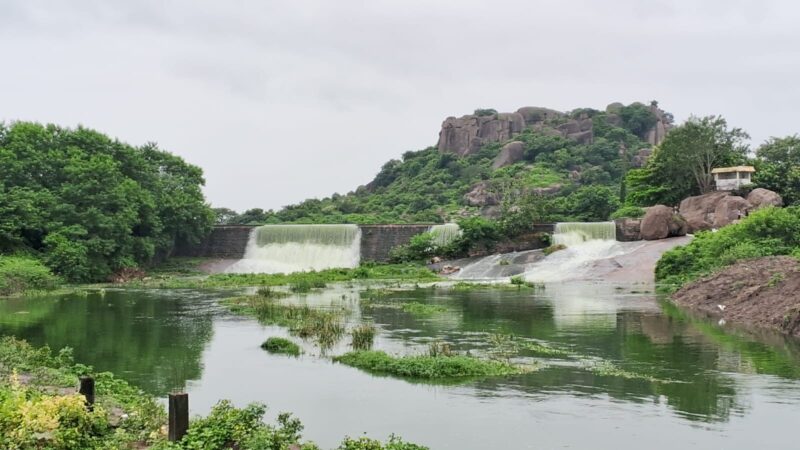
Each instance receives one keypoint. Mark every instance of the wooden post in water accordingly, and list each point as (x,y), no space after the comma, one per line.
(178,416)
(87,390)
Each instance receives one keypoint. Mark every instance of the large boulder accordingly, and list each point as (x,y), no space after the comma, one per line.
(628,229)
(761,198)
(481,195)
(661,222)
(511,153)
(729,210)
(699,211)
(536,114)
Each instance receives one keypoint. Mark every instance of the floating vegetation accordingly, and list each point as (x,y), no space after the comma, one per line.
(324,327)
(422,309)
(362,336)
(427,367)
(608,369)
(545,350)
(305,285)
(282,346)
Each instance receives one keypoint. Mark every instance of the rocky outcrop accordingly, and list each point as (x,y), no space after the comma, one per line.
(466,135)
(511,153)
(659,131)
(761,198)
(482,195)
(699,211)
(661,222)
(729,210)
(640,158)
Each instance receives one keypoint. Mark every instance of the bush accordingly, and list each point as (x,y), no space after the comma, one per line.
(19,274)
(363,336)
(767,232)
(281,345)
(632,212)
(365,443)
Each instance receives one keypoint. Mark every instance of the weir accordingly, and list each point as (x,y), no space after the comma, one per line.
(445,233)
(295,248)
(571,234)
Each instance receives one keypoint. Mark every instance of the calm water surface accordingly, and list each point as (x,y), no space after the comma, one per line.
(698,384)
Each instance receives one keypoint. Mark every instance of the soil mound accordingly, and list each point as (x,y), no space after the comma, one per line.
(763,292)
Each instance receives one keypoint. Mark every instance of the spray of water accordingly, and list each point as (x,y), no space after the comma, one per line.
(296,248)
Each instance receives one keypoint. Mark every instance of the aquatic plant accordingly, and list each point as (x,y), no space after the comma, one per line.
(269,292)
(363,336)
(324,327)
(425,366)
(608,369)
(422,309)
(439,348)
(281,345)
(365,443)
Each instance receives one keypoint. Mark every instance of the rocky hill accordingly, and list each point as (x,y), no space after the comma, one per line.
(486,161)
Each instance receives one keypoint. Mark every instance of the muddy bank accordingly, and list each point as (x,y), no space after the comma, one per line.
(762,292)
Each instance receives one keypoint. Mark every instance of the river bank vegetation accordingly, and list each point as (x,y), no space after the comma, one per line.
(88,206)
(766,232)
(39,408)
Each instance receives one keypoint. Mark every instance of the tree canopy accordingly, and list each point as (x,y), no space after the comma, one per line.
(681,165)
(778,167)
(89,205)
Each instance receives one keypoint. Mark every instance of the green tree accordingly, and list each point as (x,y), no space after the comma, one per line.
(681,165)
(91,205)
(779,167)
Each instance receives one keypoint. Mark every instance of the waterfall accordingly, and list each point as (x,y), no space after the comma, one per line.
(571,234)
(445,233)
(296,248)
(587,245)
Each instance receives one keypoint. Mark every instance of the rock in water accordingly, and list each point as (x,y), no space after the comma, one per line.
(761,198)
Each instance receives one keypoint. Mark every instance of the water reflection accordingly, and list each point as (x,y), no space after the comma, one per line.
(153,339)
(726,380)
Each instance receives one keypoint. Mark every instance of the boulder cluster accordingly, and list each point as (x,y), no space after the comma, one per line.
(465,135)
(703,212)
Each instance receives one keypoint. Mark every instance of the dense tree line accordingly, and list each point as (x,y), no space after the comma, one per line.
(88,205)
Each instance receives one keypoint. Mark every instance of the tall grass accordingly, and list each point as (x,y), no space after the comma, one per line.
(363,336)
(19,274)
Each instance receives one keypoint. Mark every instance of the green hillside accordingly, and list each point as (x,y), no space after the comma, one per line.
(567,180)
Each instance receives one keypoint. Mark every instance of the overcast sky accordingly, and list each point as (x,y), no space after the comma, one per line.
(281,101)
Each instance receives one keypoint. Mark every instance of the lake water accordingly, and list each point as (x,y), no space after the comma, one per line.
(681,382)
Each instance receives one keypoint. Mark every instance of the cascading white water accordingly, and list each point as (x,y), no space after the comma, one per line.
(445,233)
(296,248)
(587,243)
(571,234)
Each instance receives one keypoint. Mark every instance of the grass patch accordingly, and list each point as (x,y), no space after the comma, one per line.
(269,292)
(323,327)
(282,346)
(363,337)
(608,369)
(426,367)
(313,279)
(422,309)
(553,248)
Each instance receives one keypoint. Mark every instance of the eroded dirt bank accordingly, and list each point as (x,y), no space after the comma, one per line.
(763,292)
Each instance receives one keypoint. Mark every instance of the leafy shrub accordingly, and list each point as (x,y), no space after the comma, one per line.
(19,274)
(633,212)
(365,443)
(766,232)
(281,345)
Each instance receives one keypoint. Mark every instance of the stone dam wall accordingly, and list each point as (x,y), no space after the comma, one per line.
(230,241)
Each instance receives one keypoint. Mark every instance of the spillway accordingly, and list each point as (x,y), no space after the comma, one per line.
(445,233)
(587,244)
(296,248)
